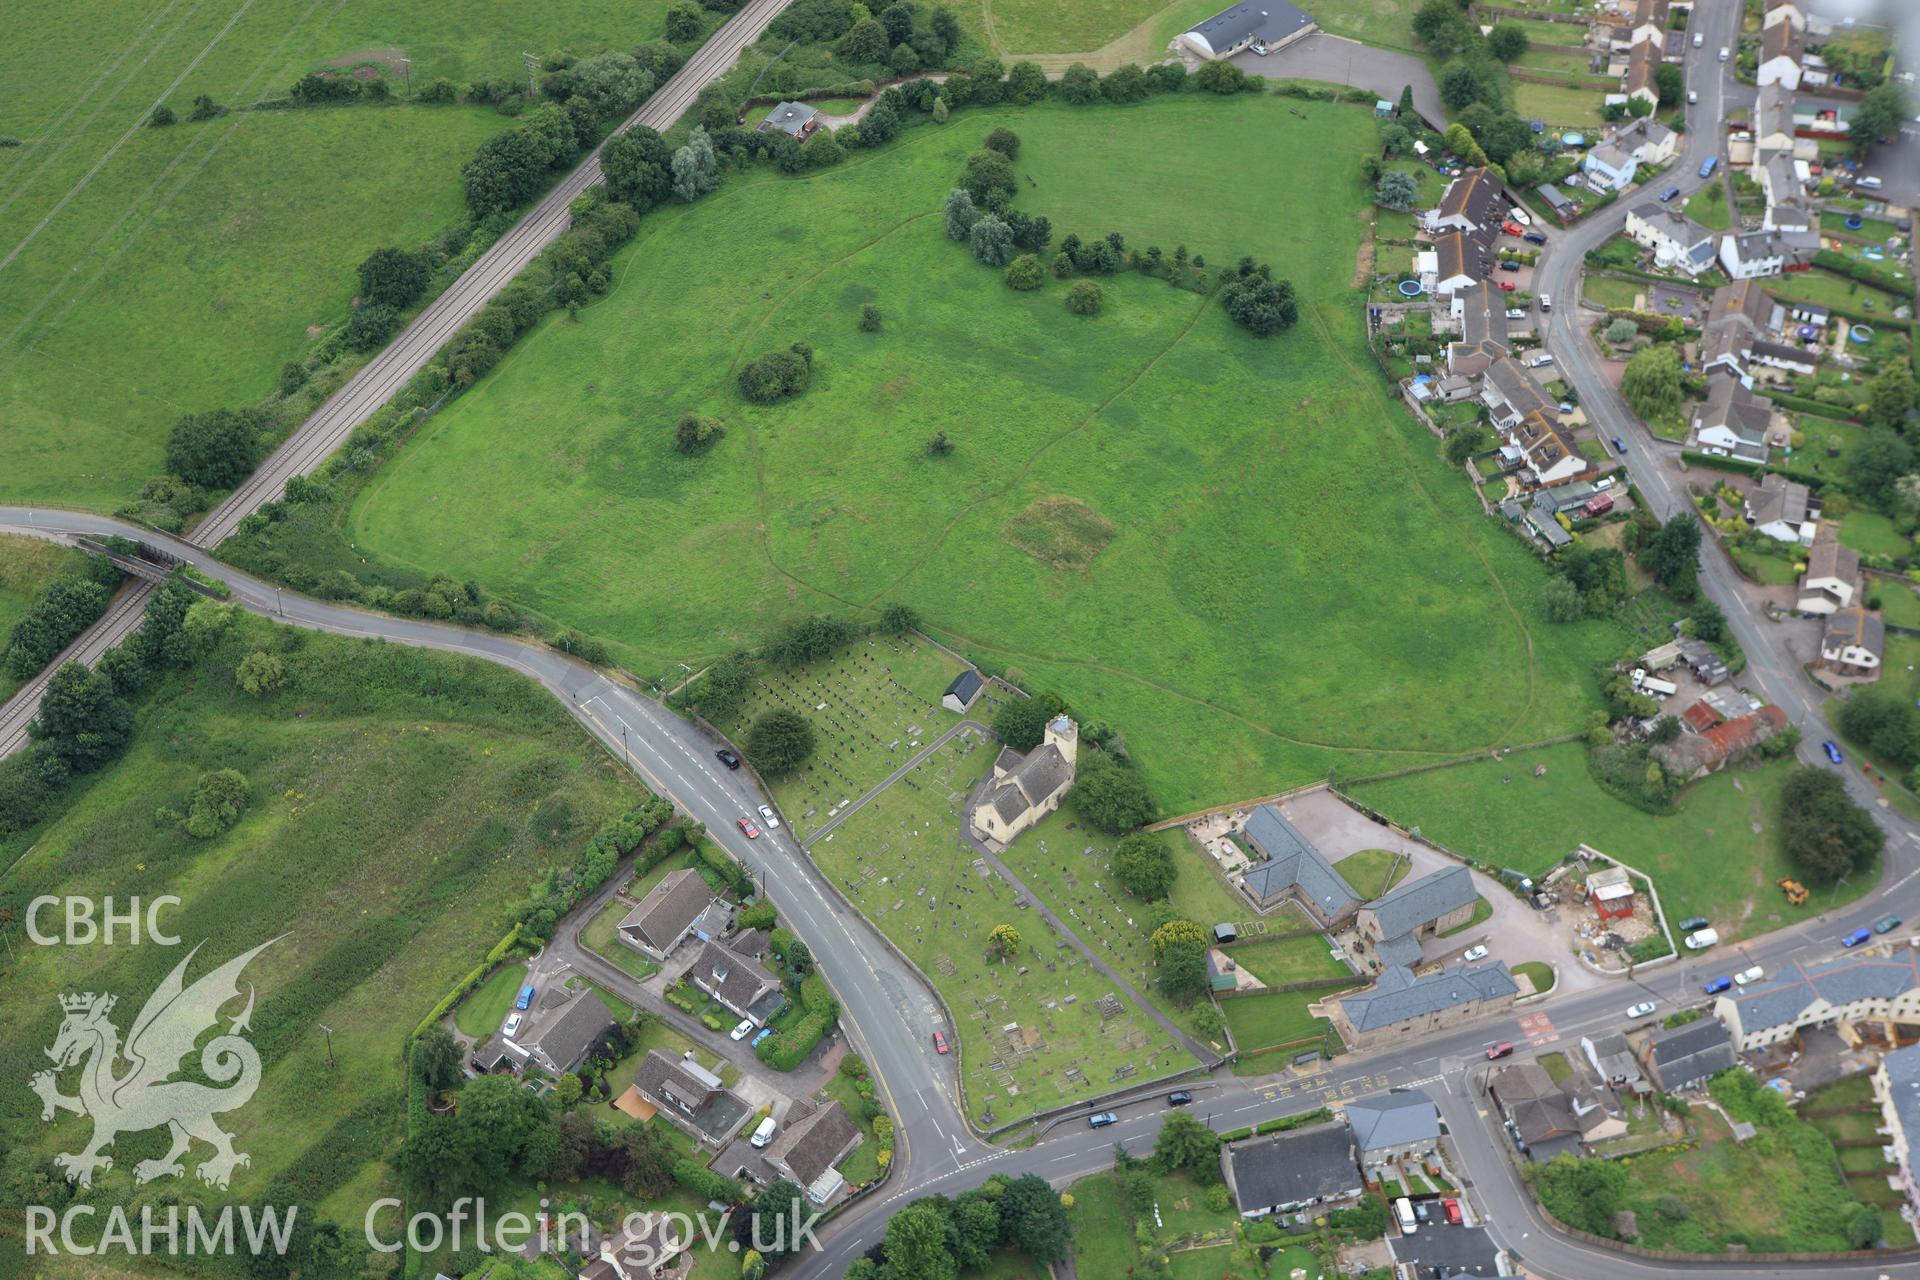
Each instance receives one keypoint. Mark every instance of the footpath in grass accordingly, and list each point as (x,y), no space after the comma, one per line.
(1037,1030)
(1260,536)
(402,803)
(1718,855)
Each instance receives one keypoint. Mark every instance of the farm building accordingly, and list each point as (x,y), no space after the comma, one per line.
(1259,25)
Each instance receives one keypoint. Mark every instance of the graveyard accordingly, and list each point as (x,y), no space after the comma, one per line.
(1035,1030)
(873,706)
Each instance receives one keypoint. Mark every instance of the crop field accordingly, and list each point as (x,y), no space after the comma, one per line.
(402,804)
(1241,479)
(1499,812)
(1033,1031)
(147,272)
(27,567)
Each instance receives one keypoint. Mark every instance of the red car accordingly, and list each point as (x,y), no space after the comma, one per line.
(1506,286)
(746,825)
(1453,1212)
(1500,1050)
(1511,228)
(939,1043)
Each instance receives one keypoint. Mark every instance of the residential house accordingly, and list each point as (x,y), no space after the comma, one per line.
(1472,202)
(1290,867)
(1778,11)
(1481,312)
(811,1141)
(1399,1007)
(1612,1059)
(1389,930)
(1738,316)
(1677,241)
(1785,355)
(559,1030)
(1026,788)
(1549,456)
(1732,421)
(741,984)
(1647,140)
(1780,50)
(1773,128)
(1649,22)
(1400,1124)
(1610,891)
(1642,61)
(1595,1112)
(1260,25)
(1833,574)
(1787,206)
(1696,755)
(1778,508)
(1609,166)
(1460,260)
(691,1097)
(1289,1172)
(1511,394)
(795,119)
(1686,1056)
(1854,642)
(963,692)
(667,914)
(1535,1111)
(1896,1086)
(1865,997)
(1767,253)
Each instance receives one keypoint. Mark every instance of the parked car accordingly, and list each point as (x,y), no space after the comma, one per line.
(1546,302)
(1886,924)
(1534,237)
(746,825)
(1702,940)
(1511,227)
(1718,985)
(1510,266)
(1693,922)
(1515,313)
(1475,953)
(1179,1098)
(1102,1120)
(1693,97)
(1452,1208)
(511,1025)
(1640,1010)
(1711,163)
(1855,938)
(1566,406)
(1619,445)
(764,1033)
(1698,39)
(1540,360)
(727,758)
(939,1042)
(763,1133)
(1669,194)
(1749,975)
(744,1030)
(1506,286)
(1501,1050)
(1832,749)
(1422,1211)
(525,998)
(768,816)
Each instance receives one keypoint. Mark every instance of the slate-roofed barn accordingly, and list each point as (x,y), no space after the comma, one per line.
(1401,1007)
(1389,930)
(1291,867)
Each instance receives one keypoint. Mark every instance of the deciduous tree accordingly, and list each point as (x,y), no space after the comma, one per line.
(779,741)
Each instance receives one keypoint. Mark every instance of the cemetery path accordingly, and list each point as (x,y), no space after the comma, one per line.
(918,758)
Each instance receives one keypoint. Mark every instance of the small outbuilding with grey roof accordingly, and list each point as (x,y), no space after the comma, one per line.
(795,119)
(1288,1172)
(1260,25)
(963,692)
(1290,867)
(1395,1125)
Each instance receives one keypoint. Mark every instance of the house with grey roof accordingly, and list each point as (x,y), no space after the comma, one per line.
(691,1097)
(1396,1125)
(1686,1056)
(1399,1007)
(1391,929)
(1535,1111)
(1290,867)
(1022,789)
(811,1141)
(1896,1086)
(1290,1172)
(1677,241)
(1867,997)
(1732,421)
(1612,1059)
(1754,254)
(1778,507)
(1472,202)
(1260,25)
(1854,642)
(1832,578)
(560,1029)
(741,984)
(668,914)
(795,119)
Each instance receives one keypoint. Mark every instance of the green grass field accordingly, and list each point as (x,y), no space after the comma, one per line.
(403,804)
(145,273)
(1871,533)
(1825,288)
(1367,871)
(27,567)
(1263,465)
(1561,106)
(1530,823)
(1279,961)
(1278,1018)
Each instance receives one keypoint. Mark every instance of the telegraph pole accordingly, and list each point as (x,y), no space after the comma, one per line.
(406,69)
(533,71)
(329,1030)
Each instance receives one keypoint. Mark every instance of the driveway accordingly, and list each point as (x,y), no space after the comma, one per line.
(1343,61)
(1514,932)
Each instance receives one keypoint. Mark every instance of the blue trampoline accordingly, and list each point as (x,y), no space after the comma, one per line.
(1411,288)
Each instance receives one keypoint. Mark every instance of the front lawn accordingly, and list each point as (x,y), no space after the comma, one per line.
(601,936)
(1368,871)
(1561,106)
(485,1007)
(1281,961)
(1262,1021)
(1538,972)
(1611,291)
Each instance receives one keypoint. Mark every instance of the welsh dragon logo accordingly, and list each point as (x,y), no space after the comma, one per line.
(145,1096)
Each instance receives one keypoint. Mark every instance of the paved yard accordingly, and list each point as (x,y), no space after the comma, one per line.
(1342,61)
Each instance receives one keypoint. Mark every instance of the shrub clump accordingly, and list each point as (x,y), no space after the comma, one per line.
(778,374)
(1085,298)
(694,433)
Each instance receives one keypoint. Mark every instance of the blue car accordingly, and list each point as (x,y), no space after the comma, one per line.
(1855,938)
(1832,749)
(1707,166)
(526,997)
(1102,1120)
(764,1033)
(1619,445)
(1718,985)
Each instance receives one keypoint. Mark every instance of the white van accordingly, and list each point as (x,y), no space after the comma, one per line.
(764,1133)
(1870,184)
(1403,1209)
(1702,940)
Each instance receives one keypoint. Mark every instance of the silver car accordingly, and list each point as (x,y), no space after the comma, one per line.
(767,816)
(1640,1010)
